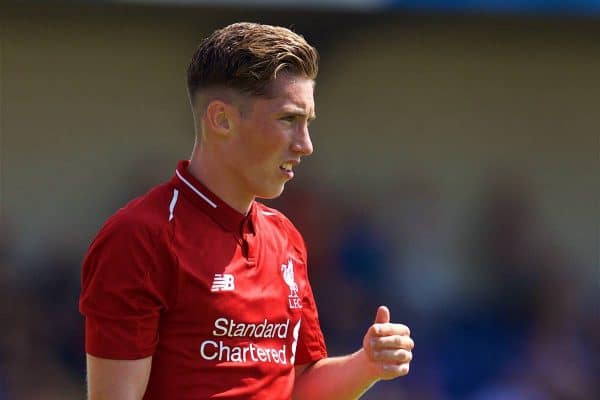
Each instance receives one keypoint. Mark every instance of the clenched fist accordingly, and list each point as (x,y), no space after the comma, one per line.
(388,346)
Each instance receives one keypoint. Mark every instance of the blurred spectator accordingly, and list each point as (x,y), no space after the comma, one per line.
(513,350)
(40,345)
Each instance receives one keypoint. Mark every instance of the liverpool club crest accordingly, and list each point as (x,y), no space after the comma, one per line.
(288,276)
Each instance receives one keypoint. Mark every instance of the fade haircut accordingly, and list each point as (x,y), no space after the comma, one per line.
(247,57)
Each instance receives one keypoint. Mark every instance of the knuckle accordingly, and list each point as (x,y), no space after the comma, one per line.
(404,355)
(393,368)
(377,329)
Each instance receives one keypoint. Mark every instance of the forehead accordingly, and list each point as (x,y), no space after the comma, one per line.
(290,91)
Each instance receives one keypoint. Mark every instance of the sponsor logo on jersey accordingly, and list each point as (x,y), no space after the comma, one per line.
(287,271)
(222,282)
(254,348)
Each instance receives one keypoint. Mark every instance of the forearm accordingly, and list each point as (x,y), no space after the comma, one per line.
(117,379)
(339,378)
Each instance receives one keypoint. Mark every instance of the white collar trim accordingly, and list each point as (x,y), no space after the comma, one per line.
(199,193)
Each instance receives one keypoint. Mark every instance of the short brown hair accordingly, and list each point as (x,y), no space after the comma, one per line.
(247,57)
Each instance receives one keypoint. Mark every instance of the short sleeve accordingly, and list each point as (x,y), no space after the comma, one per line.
(311,343)
(126,285)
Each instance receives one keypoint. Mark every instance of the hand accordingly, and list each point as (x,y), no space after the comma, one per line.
(388,346)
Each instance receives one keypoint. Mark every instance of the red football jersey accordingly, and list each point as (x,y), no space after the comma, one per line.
(220,300)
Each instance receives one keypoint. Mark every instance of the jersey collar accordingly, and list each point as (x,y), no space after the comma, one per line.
(207,201)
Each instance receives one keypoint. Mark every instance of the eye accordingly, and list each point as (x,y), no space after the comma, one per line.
(288,118)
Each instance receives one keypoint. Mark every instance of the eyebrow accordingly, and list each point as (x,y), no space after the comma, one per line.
(300,113)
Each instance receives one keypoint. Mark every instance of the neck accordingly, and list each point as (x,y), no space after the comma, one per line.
(205,167)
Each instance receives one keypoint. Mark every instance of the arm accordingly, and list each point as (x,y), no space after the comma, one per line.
(386,354)
(117,379)
(348,372)
(126,284)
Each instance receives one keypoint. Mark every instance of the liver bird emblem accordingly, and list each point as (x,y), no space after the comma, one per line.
(288,277)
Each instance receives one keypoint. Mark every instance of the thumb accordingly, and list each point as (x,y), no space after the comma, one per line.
(383,315)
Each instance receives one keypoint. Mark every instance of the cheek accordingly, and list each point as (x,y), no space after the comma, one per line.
(263,144)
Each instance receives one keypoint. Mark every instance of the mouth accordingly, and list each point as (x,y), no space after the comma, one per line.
(288,168)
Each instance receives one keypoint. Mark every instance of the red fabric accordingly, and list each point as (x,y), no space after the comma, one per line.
(149,289)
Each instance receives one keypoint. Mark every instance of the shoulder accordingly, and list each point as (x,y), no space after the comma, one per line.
(142,219)
(283,223)
(275,217)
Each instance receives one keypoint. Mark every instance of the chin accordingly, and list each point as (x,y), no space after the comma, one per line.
(270,193)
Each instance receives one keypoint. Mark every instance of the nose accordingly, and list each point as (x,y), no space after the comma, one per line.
(302,143)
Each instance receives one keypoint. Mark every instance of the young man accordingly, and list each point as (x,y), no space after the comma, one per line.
(197,291)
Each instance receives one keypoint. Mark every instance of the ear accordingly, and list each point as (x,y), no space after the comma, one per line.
(219,117)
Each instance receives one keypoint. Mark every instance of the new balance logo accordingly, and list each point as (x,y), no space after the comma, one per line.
(222,282)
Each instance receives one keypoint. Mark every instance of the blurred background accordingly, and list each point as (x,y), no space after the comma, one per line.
(455,178)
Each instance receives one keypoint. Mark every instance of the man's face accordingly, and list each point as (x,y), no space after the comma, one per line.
(271,136)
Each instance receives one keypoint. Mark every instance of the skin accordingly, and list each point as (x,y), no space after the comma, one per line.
(239,153)
(240,146)
(386,354)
